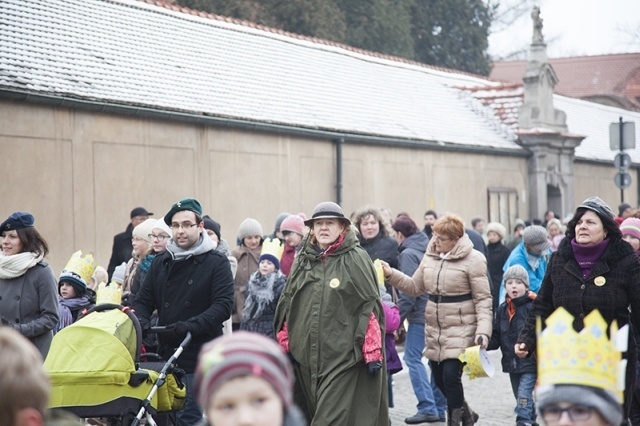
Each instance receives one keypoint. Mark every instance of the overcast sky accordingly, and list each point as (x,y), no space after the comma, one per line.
(575,28)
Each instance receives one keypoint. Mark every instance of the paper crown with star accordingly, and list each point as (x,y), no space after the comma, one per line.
(588,357)
(79,268)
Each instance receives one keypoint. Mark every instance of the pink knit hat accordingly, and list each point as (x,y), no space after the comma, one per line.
(631,226)
(293,223)
(242,354)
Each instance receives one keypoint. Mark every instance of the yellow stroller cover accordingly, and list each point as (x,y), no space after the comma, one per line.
(91,362)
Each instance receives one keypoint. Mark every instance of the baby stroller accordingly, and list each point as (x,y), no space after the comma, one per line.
(95,370)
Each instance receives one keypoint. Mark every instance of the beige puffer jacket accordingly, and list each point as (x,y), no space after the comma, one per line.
(451,327)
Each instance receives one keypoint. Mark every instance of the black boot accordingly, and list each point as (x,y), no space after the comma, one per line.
(455,417)
(469,417)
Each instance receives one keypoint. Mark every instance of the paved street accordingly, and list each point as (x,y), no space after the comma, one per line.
(490,397)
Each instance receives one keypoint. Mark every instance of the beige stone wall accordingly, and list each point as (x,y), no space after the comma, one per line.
(596,179)
(80,173)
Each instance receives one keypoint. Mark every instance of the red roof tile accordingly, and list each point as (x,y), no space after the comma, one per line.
(613,77)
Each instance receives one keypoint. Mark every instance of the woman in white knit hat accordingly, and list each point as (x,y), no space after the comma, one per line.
(250,238)
(141,243)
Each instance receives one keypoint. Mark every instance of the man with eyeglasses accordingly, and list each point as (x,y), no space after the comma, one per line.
(191,286)
(565,405)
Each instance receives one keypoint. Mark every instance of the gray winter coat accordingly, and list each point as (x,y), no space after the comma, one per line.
(411,252)
(30,304)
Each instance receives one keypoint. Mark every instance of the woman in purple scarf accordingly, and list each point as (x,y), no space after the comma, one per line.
(594,268)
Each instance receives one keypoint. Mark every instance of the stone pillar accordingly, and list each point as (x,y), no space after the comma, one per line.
(550,165)
(543,132)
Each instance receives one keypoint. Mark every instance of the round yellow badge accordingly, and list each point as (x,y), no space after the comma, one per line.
(599,281)
(334,283)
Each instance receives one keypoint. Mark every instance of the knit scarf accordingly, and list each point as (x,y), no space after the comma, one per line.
(588,255)
(66,307)
(203,245)
(259,294)
(16,265)
(146,262)
(511,308)
(333,247)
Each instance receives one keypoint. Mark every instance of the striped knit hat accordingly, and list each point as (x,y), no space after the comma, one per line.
(242,354)
(631,226)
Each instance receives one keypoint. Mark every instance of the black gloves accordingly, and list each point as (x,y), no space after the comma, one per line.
(178,330)
(374,367)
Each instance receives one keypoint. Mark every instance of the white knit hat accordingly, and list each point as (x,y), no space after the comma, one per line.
(249,227)
(162,225)
(498,228)
(144,229)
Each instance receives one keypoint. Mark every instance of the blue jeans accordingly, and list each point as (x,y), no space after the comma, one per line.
(522,386)
(430,399)
(191,414)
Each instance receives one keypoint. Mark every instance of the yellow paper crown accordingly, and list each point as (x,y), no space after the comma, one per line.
(273,247)
(586,358)
(81,266)
(109,293)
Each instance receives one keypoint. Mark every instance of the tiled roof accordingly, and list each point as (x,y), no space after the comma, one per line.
(148,55)
(616,75)
(583,118)
(135,53)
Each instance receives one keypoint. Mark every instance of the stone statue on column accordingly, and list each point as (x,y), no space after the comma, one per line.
(537,26)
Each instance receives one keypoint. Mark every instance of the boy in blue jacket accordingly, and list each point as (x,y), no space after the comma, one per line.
(508,323)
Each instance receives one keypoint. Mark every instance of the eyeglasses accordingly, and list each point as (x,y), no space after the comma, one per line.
(576,412)
(185,226)
(439,238)
(158,237)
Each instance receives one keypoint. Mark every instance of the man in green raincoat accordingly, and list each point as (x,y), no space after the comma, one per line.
(330,320)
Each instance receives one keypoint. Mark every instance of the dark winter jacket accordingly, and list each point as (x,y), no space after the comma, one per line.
(327,305)
(563,285)
(381,247)
(505,335)
(122,249)
(497,255)
(411,252)
(198,289)
(258,315)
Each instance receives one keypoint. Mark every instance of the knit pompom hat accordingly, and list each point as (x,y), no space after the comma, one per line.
(631,226)
(144,229)
(248,228)
(516,272)
(498,228)
(242,354)
(293,223)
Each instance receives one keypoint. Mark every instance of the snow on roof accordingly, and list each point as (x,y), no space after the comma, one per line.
(157,56)
(134,53)
(583,118)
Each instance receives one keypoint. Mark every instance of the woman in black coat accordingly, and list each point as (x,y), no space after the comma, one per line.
(592,269)
(374,235)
